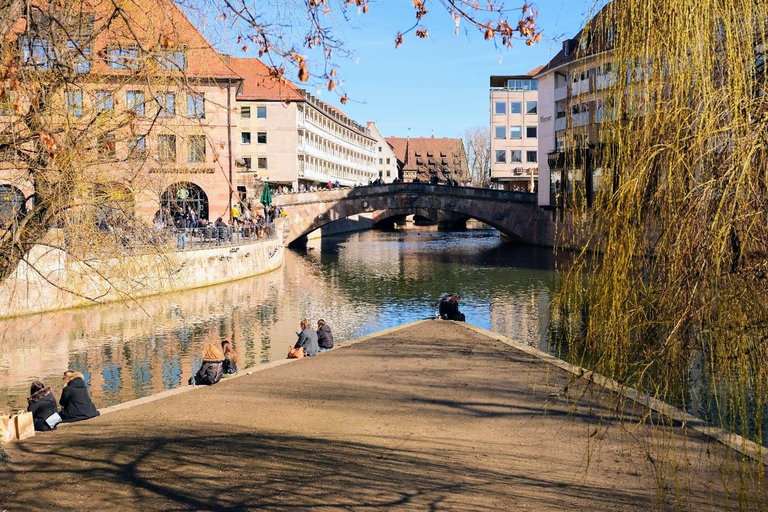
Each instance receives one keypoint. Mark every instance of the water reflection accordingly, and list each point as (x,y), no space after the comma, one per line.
(360,284)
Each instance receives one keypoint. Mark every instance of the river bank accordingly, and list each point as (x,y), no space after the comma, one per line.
(49,280)
(434,415)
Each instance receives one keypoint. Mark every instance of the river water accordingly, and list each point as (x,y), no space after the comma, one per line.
(359,283)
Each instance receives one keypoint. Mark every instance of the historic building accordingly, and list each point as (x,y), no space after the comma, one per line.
(286,136)
(514,131)
(430,159)
(140,102)
(386,160)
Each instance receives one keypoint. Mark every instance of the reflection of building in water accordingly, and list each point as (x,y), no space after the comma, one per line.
(523,317)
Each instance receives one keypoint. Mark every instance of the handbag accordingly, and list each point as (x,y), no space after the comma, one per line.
(25,425)
(296,353)
(53,420)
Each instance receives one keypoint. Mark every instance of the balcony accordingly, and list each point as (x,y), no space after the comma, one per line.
(605,81)
(556,160)
(580,119)
(561,93)
(561,122)
(580,87)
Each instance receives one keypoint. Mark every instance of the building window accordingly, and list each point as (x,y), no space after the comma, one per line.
(531,132)
(35,53)
(166,148)
(531,107)
(173,60)
(262,163)
(515,107)
(261,112)
(245,137)
(104,102)
(247,162)
(500,107)
(196,106)
(196,148)
(501,156)
(388,162)
(123,58)
(389,173)
(75,103)
(81,56)
(137,147)
(261,137)
(107,145)
(500,132)
(245,112)
(515,132)
(531,157)
(379,149)
(522,85)
(134,100)
(515,156)
(166,104)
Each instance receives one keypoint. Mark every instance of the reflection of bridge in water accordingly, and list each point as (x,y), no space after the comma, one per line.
(515,214)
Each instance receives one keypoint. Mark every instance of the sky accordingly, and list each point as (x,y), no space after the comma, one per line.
(436,86)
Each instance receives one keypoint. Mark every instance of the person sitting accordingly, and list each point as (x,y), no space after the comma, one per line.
(75,403)
(212,369)
(42,405)
(307,339)
(230,358)
(449,308)
(324,336)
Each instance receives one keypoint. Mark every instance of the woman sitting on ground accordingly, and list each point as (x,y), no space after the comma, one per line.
(324,336)
(75,403)
(42,405)
(212,369)
(230,358)
(307,339)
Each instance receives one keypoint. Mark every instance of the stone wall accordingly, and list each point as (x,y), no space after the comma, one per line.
(50,280)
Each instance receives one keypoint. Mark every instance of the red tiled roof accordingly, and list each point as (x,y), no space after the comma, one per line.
(430,155)
(259,84)
(149,24)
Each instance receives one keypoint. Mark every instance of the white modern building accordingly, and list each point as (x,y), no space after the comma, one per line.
(286,136)
(514,131)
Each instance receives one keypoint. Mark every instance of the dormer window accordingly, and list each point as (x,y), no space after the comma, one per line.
(566,48)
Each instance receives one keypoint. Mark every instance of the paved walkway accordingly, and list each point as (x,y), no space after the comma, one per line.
(434,416)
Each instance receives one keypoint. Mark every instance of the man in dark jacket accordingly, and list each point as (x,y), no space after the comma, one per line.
(75,403)
(42,405)
(307,339)
(324,336)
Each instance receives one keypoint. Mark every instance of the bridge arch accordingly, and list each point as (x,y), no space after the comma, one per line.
(515,214)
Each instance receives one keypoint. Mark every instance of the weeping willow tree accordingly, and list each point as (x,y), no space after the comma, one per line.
(676,275)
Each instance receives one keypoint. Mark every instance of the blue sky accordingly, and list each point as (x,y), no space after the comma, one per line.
(436,86)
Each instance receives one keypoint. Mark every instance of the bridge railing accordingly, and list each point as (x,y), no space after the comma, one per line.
(405,188)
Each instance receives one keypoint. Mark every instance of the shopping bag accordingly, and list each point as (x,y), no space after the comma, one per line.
(25,425)
(7,429)
(296,353)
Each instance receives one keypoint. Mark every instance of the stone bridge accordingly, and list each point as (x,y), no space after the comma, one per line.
(515,214)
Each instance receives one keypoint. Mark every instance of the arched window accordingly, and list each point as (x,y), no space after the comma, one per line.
(12,204)
(181,196)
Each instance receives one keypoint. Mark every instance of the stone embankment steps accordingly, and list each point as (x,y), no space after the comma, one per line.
(432,415)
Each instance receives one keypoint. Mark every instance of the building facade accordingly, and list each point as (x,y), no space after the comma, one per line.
(514,131)
(286,136)
(576,97)
(386,160)
(147,99)
(430,159)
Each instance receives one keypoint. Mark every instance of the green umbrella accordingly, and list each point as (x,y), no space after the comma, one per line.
(266,196)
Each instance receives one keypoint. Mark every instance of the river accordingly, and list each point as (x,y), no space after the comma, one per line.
(359,283)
